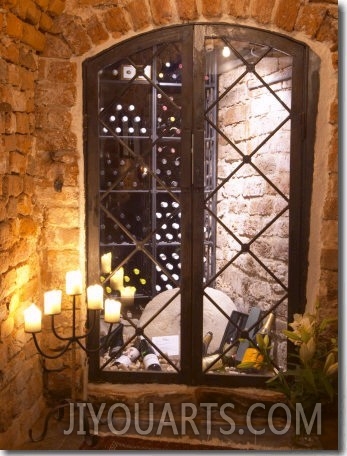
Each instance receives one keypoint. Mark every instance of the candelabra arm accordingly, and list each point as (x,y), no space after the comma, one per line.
(97,349)
(50,356)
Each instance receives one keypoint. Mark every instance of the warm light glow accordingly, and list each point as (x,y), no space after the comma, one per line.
(106,261)
(95,297)
(52,302)
(127,295)
(112,311)
(73,282)
(116,280)
(32,319)
(226,51)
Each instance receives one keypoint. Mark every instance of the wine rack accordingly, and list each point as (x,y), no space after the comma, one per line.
(140,170)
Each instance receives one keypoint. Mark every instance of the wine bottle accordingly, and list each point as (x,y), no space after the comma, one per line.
(229,353)
(115,341)
(149,358)
(133,352)
(212,362)
(267,325)
(123,360)
(206,340)
(129,356)
(252,319)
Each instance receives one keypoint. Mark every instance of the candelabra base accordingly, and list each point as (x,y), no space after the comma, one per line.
(59,413)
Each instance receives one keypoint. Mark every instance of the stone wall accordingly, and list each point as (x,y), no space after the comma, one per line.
(22,30)
(42,46)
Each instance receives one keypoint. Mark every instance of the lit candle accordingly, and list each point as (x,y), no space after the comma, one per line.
(32,319)
(106,261)
(112,311)
(95,297)
(52,302)
(116,280)
(127,295)
(73,282)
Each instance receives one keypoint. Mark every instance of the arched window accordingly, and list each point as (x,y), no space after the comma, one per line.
(198,146)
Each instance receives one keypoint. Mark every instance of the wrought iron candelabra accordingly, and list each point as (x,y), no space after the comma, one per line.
(52,307)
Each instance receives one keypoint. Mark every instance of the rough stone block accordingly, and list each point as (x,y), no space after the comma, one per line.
(17,162)
(56,47)
(238,8)
(58,71)
(33,37)
(286,14)
(96,30)
(328,31)
(56,7)
(162,11)
(43,4)
(49,94)
(116,22)
(139,13)
(330,208)
(212,9)
(14,26)
(187,9)
(33,13)
(45,23)
(25,205)
(330,234)
(75,34)
(13,185)
(261,10)
(329,259)
(310,18)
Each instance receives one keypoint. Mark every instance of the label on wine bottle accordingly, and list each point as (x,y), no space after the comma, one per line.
(123,359)
(150,359)
(133,353)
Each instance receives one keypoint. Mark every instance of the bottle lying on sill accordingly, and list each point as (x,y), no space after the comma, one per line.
(206,340)
(129,356)
(149,358)
(112,342)
(209,362)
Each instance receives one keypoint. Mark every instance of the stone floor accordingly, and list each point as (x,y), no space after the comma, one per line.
(59,438)
(55,439)
(67,432)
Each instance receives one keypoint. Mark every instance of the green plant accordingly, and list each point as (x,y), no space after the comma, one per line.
(311,374)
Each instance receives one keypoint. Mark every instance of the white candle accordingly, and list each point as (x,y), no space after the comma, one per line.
(116,280)
(106,261)
(73,282)
(52,302)
(112,311)
(95,297)
(32,319)
(127,295)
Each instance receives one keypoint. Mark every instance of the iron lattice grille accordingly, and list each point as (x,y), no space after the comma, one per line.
(248,65)
(195,166)
(140,145)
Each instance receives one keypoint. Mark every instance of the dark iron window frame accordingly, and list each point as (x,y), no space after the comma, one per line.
(305,82)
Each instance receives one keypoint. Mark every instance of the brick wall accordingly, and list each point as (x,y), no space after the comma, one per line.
(42,46)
